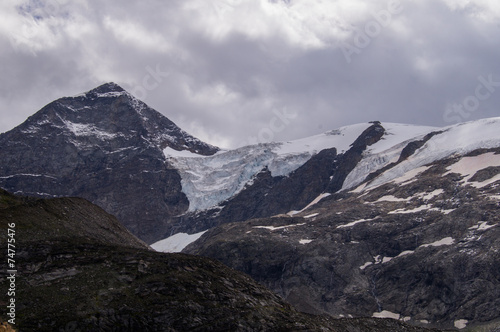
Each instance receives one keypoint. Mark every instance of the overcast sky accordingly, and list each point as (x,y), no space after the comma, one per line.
(241,71)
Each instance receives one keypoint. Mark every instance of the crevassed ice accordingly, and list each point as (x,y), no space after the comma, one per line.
(209,180)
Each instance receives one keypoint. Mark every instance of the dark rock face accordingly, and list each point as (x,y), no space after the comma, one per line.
(79,269)
(425,250)
(354,155)
(105,146)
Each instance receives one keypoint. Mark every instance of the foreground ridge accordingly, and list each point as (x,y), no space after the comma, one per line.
(81,270)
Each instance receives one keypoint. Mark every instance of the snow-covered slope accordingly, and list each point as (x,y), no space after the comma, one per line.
(176,242)
(448,141)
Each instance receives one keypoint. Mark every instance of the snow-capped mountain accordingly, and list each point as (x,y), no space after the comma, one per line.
(374,219)
(412,234)
(110,114)
(109,147)
(106,146)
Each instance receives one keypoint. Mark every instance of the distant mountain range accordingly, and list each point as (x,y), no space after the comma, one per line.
(377,219)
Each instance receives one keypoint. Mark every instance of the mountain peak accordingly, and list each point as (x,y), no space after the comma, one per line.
(109,89)
(109,117)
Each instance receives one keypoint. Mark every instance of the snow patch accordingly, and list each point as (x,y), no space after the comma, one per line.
(415,210)
(385,259)
(314,202)
(447,241)
(485,183)
(112,94)
(176,243)
(386,314)
(81,129)
(482,226)
(404,253)
(304,241)
(410,175)
(169,152)
(391,198)
(431,195)
(364,266)
(359,188)
(272,228)
(311,215)
(468,166)
(355,223)
(460,323)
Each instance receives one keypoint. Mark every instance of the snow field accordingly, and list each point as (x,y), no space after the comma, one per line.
(176,243)
(456,139)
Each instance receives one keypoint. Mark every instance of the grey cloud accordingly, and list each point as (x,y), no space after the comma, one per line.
(429,58)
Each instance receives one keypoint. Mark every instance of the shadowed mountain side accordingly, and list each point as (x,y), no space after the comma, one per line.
(80,270)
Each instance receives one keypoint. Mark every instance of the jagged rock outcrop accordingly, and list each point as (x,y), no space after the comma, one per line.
(79,269)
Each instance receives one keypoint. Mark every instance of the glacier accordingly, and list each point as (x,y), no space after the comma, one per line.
(207,181)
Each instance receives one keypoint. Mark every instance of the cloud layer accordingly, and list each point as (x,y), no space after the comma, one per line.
(240,71)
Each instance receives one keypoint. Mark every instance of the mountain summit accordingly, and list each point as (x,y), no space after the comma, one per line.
(108,114)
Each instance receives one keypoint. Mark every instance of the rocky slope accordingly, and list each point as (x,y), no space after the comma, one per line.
(80,270)
(413,235)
